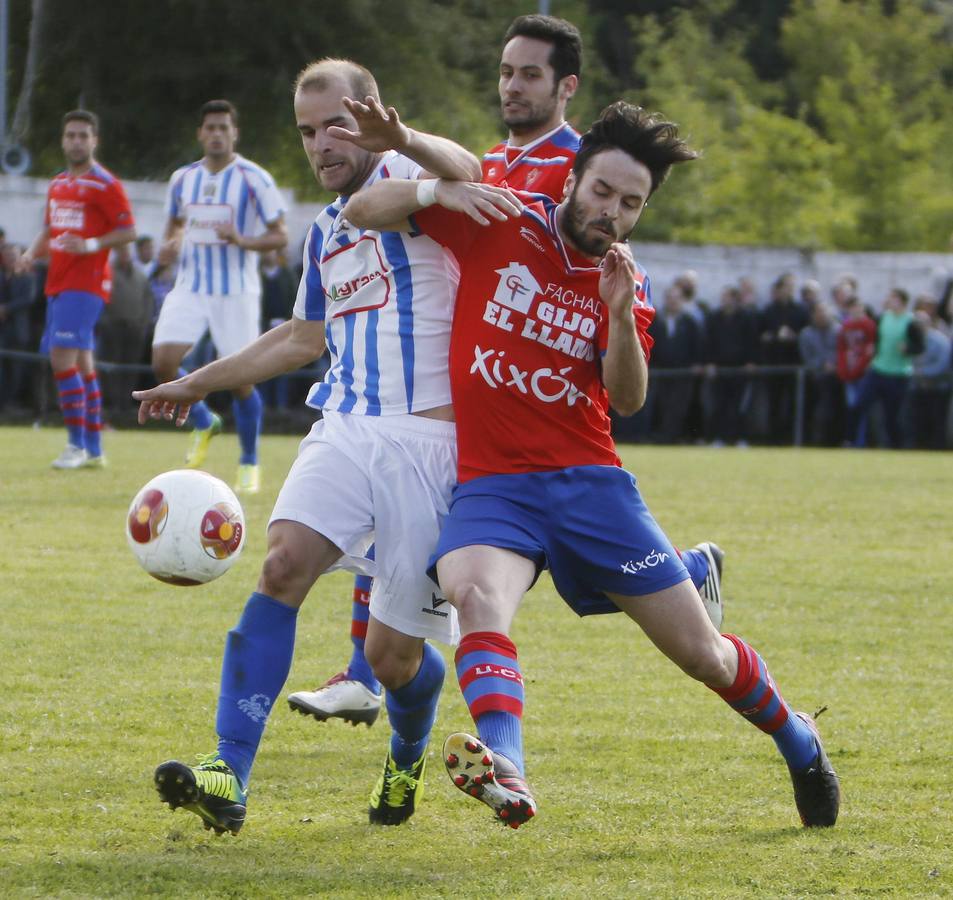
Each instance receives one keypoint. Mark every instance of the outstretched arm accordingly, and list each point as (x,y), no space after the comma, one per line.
(625,371)
(385,206)
(380,129)
(283,349)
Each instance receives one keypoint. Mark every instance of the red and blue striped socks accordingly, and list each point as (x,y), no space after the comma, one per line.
(94,415)
(358,667)
(755,696)
(492,685)
(69,384)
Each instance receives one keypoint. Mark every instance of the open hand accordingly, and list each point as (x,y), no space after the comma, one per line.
(378,129)
(479,201)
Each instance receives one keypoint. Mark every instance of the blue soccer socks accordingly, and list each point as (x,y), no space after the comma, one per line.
(358,669)
(94,414)
(257,660)
(69,385)
(756,697)
(248,413)
(492,685)
(413,708)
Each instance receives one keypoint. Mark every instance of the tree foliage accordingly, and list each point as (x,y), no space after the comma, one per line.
(824,123)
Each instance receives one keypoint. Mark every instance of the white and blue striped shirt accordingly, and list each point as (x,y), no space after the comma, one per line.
(386,300)
(242,194)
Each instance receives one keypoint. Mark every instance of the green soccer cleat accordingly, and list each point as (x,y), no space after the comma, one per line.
(95,462)
(211,790)
(397,792)
(248,480)
(201,438)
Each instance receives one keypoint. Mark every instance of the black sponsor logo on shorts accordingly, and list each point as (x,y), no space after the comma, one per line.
(433,610)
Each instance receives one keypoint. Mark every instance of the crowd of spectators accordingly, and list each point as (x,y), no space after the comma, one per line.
(795,365)
(739,370)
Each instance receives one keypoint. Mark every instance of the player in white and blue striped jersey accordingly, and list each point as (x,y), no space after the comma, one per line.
(223,210)
(379,465)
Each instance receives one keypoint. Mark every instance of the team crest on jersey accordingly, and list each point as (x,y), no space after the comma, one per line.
(517,287)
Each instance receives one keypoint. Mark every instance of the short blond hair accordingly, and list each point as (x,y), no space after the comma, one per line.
(320,74)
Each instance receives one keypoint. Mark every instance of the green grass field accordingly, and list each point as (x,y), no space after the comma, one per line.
(838,571)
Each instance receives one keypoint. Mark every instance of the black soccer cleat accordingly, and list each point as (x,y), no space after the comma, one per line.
(397,792)
(211,790)
(816,788)
(489,777)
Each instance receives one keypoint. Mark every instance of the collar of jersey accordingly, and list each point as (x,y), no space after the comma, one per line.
(572,259)
(531,146)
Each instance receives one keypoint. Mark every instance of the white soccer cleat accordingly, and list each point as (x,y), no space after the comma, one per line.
(71,458)
(710,591)
(339,698)
(488,777)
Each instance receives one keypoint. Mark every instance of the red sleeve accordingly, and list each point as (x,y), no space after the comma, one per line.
(454,230)
(643,318)
(115,207)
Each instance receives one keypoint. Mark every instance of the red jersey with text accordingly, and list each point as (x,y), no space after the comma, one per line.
(89,205)
(529,331)
(541,167)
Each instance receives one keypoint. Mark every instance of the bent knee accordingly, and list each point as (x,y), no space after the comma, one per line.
(286,574)
(472,601)
(390,669)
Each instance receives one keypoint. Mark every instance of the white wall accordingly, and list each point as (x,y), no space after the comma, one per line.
(21,211)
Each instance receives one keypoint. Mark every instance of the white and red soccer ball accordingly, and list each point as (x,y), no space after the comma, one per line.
(186,527)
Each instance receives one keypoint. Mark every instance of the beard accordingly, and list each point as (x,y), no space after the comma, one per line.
(576,226)
(530,117)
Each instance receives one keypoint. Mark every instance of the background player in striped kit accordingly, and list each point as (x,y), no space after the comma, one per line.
(385,445)
(539,74)
(87,214)
(222,211)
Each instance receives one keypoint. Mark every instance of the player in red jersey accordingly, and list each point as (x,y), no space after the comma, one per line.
(539,73)
(87,214)
(550,329)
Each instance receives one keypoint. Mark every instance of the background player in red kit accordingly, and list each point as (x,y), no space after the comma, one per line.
(539,74)
(549,330)
(87,214)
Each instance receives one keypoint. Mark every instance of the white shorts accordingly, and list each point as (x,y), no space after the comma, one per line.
(386,480)
(233,320)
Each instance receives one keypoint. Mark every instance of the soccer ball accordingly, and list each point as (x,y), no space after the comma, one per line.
(186,527)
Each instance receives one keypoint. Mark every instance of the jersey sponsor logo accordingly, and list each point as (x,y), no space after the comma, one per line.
(545,384)
(634,566)
(554,326)
(201,220)
(67,215)
(367,285)
(517,287)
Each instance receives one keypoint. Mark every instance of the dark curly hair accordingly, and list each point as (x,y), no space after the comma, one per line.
(644,136)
